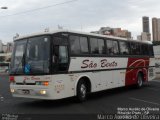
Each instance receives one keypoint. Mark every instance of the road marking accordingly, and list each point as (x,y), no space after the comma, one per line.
(145,101)
(153,89)
(156,81)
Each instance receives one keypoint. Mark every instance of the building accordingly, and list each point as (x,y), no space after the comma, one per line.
(145,35)
(156,29)
(6,51)
(106,31)
(4,48)
(1,46)
(121,33)
(139,37)
(118,32)
(145,21)
(9,47)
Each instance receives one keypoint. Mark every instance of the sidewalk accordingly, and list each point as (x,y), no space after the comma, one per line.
(4,74)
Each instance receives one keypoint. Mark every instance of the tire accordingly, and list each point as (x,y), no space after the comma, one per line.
(81,91)
(139,81)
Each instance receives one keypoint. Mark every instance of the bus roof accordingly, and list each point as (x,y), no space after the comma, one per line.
(77,32)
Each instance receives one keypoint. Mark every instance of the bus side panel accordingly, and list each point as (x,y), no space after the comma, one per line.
(119,78)
(107,79)
(119,75)
(136,65)
(63,85)
(107,72)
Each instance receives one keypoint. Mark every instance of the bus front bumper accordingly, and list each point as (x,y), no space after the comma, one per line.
(29,91)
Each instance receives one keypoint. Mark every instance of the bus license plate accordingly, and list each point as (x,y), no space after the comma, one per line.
(26,92)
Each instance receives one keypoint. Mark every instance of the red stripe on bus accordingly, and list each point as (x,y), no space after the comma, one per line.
(131,74)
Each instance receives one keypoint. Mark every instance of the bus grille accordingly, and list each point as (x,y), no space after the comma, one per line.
(25,83)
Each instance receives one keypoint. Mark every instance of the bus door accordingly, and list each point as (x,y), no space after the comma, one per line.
(60,59)
(60,65)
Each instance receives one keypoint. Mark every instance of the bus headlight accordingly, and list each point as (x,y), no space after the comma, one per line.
(43,92)
(12,90)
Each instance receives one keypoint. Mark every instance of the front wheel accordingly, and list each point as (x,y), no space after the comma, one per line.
(81,91)
(140,81)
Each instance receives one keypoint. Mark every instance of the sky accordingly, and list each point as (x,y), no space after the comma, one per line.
(30,16)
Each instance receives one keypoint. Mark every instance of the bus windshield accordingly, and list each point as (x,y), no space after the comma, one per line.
(31,56)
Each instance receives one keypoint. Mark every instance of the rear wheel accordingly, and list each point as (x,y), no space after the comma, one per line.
(81,91)
(139,81)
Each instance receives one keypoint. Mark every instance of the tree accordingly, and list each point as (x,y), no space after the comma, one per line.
(1,51)
(156,43)
(8,60)
(2,58)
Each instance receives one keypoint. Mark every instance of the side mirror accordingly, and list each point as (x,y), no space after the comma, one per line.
(54,59)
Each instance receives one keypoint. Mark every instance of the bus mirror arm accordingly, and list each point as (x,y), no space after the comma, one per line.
(54,59)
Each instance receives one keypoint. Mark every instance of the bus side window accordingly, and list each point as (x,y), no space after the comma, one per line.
(112,47)
(145,49)
(75,44)
(124,49)
(94,46)
(97,46)
(135,49)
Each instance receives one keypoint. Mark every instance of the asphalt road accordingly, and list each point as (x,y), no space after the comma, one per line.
(105,102)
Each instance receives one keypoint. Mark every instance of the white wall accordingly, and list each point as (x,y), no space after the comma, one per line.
(157,60)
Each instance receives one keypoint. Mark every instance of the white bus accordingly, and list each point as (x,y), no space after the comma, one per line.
(60,64)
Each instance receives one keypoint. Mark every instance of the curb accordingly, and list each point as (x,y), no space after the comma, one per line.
(4,74)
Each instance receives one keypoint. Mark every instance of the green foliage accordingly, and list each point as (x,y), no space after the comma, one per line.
(156,43)
(1,51)
(2,58)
